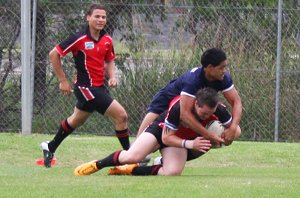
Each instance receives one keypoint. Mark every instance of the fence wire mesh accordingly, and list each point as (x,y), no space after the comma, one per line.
(155,41)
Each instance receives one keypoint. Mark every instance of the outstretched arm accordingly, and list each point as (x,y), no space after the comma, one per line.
(170,139)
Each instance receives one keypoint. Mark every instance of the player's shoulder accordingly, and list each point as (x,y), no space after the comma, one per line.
(227,77)
(192,73)
(77,36)
(195,70)
(107,36)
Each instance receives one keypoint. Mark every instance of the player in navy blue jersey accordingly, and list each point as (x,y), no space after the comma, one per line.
(93,53)
(168,133)
(212,74)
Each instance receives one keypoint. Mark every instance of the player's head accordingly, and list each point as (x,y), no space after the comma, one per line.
(96,17)
(214,61)
(206,102)
(213,56)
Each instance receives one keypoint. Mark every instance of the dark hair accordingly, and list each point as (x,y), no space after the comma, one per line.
(213,56)
(94,7)
(207,96)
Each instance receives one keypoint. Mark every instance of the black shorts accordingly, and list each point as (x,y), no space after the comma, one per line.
(91,99)
(156,130)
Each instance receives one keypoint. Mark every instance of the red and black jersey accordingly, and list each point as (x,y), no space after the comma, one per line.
(89,55)
(171,118)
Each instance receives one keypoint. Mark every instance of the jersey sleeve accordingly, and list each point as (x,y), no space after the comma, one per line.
(223,114)
(110,54)
(68,45)
(172,119)
(227,83)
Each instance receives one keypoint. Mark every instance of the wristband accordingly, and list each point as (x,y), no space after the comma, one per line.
(183,143)
(189,144)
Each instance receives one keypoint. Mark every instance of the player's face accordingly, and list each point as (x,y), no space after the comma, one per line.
(217,72)
(97,20)
(204,112)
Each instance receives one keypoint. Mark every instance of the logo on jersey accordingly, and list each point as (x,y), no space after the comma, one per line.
(89,45)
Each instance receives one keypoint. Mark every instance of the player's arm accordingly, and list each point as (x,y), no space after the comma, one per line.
(55,60)
(234,100)
(110,69)
(169,138)
(186,115)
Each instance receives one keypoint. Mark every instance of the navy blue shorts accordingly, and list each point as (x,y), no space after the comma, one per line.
(91,99)
(160,102)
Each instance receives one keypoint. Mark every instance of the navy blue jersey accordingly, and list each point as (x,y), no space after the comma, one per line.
(187,84)
(193,80)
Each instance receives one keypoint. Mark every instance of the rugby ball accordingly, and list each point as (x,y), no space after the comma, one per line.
(215,126)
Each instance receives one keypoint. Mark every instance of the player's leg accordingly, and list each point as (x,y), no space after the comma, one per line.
(66,127)
(146,143)
(119,116)
(159,104)
(143,145)
(174,160)
(148,119)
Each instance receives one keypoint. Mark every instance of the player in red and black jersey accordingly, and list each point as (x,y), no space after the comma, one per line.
(93,53)
(171,136)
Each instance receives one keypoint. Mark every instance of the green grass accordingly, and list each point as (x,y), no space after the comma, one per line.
(244,169)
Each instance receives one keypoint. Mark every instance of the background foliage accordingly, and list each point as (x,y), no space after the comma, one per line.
(156,41)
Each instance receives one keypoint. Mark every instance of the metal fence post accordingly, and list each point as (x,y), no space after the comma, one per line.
(25,59)
(278,56)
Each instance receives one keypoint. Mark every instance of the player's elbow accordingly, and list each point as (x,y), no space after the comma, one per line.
(53,54)
(165,140)
(238,132)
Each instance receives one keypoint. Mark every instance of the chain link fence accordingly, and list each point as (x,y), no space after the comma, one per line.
(155,41)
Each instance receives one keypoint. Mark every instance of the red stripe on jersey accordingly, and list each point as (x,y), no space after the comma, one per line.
(86,93)
(66,51)
(172,103)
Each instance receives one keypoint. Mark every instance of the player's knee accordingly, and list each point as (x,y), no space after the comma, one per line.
(173,172)
(122,117)
(131,158)
(75,123)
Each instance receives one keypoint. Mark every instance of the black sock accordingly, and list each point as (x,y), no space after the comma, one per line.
(111,160)
(146,170)
(64,130)
(123,137)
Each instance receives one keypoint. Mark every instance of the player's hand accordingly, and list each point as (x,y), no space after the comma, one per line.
(215,139)
(201,144)
(112,82)
(229,135)
(65,87)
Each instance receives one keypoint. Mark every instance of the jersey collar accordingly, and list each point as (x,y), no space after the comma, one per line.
(102,33)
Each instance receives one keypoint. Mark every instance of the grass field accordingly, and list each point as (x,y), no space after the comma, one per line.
(244,169)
